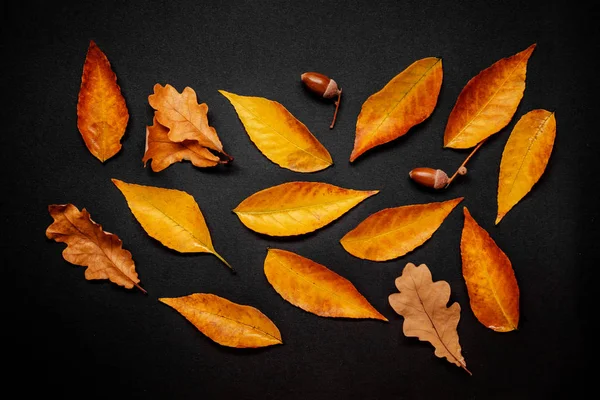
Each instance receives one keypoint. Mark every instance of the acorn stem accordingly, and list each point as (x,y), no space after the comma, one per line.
(337,105)
(464,162)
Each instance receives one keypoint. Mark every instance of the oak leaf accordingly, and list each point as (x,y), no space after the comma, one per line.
(226,323)
(281,137)
(315,288)
(295,208)
(488,101)
(422,303)
(163,152)
(490,279)
(90,246)
(102,113)
(185,118)
(524,158)
(170,216)
(405,101)
(393,232)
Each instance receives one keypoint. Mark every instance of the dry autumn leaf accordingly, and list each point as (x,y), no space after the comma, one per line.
(295,208)
(315,288)
(281,137)
(488,101)
(490,279)
(226,323)
(90,246)
(422,303)
(185,118)
(405,101)
(393,232)
(170,216)
(525,158)
(163,152)
(102,114)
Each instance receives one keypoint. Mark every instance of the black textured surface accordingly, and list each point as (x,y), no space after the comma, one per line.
(71,337)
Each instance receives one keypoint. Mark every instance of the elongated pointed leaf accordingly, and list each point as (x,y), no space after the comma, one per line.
(295,208)
(525,158)
(315,288)
(170,216)
(490,279)
(102,114)
(227,323)
(393,232)
(281,137)
(488,101)
(407,100)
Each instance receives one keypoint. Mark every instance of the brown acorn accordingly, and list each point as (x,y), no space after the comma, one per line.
(429,177)
(323,86)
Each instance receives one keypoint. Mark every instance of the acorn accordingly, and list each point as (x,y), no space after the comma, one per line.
(429,177)
(323,86)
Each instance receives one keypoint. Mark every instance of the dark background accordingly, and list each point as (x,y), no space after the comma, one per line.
(77,338)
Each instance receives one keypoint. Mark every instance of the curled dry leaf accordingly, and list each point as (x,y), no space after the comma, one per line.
(407,100)
(393,232)
(295,208)
(315,288)
(490,279)
(422,303)
(170,216)
(185,118)
(163,152)
(281,137)
(102,114)
(488,101)
(525,158)
(226,323)
(90,246)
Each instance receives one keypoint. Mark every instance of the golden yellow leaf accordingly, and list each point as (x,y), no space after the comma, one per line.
(226,323)
(281,137)
(315,288)
(422,303)
(170,216)
(393,232)
(102,114)
(295,208)
(90,246)
(405,101)
(488,101)
(163,152)
(488,273)
(525,157)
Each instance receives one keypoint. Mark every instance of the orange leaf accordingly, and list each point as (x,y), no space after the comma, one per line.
(488,101)
(407,100)
(185,118)
(315,288)
(227,323)
(295,208)
(525,157)
(279,135)
(490,279)
(393,232)
(422,303)
(164,152)
(102,114)
(90,246)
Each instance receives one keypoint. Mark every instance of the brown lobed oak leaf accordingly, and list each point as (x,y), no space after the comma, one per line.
(102,114)
(225,322)
(490,279)
(185,118)
(315,288)
(422,303)
(90,246)
(163,152)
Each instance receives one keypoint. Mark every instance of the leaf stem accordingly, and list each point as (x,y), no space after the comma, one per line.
(225,262)
(141,288)
(464,163)
(337,105)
